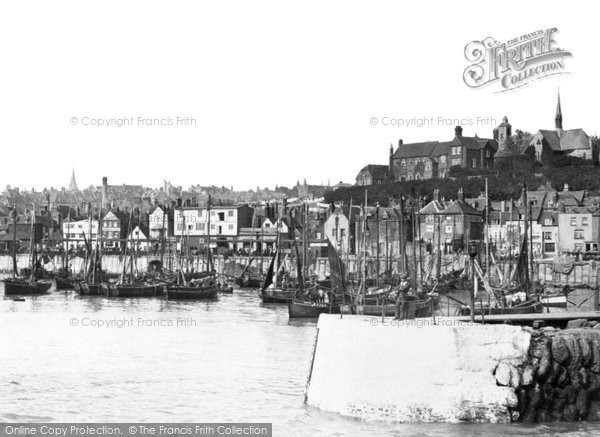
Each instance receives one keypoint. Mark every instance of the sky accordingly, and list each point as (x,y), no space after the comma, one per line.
(267,92)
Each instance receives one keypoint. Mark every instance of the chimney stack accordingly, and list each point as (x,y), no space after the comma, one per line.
(502,205)
(458,131)
(566,187)
(436,195)
(104,192)
(400,142)
(461,197)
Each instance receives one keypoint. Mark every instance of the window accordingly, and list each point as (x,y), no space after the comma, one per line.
(584,221)
(448,229)
(230,213)
(547,235)
(487,153)
(230,226)
(428,228)
(548,222)
(456,150)
(579,234)
(443,159)
(579,247)
(573,221)
(474,162)
(456,162)
(549,247)
(267,225)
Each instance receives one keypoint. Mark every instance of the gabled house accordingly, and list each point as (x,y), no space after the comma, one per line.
(454,223)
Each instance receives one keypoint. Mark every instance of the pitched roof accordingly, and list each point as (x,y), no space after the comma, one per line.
(415,150)
(376,171)
(448,207)
(562,140)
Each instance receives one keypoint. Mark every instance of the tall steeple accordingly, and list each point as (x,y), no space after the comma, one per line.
(558,118)
(73,183)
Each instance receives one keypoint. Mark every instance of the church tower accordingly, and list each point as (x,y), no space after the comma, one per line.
(503,132)
(73,183)
(558,118)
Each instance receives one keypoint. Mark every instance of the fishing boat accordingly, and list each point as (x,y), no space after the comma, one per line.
(271,291)
(95,279)
(21,285)
(302,309)
(508,300)
(248,280)
(24,286)
(205,287)
(134,290)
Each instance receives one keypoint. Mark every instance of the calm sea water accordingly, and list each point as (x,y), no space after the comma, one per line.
(234,359)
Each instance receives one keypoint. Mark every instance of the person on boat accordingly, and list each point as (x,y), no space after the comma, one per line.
(401,299)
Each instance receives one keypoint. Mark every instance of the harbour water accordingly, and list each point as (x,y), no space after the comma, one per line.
(91,359)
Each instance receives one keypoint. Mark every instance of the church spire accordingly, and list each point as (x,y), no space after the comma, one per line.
(73,183)
(558,118)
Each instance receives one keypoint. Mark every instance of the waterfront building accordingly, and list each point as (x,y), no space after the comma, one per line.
(225,223)
(160,223)
(77,231)
(454,222)
(579,229)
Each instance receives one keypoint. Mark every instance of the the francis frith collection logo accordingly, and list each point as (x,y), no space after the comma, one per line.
(515,63)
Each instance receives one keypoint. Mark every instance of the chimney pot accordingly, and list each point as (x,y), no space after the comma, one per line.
(460,195)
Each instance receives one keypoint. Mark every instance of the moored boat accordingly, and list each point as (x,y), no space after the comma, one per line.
(301,309)
(276,295)
(135,290)
(23,286)
(192,292)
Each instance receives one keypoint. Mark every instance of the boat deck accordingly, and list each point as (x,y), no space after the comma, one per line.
(550,319)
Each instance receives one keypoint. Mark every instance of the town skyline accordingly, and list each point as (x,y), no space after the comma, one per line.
(268,111)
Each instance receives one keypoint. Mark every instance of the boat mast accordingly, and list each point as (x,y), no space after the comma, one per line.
(162,239)
(14,248)
(31,243)
(487,231)
(377,225)
(531,241)
(277,250)
(439,250)
(363,287)
(208,255)
(402,240)
(414,241)
(526,228)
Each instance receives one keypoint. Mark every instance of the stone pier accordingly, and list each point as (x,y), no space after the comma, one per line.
(417,371)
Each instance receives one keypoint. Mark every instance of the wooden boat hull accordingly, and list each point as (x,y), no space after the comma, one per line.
(135,290)
(87,289)
(535,307)
(192,293)
(377,310)
(20,286)
(66,283)
(249,281)
(300,309)
(277,295)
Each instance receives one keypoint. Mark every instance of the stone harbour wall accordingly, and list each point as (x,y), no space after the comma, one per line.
(560,379)
(420,371)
